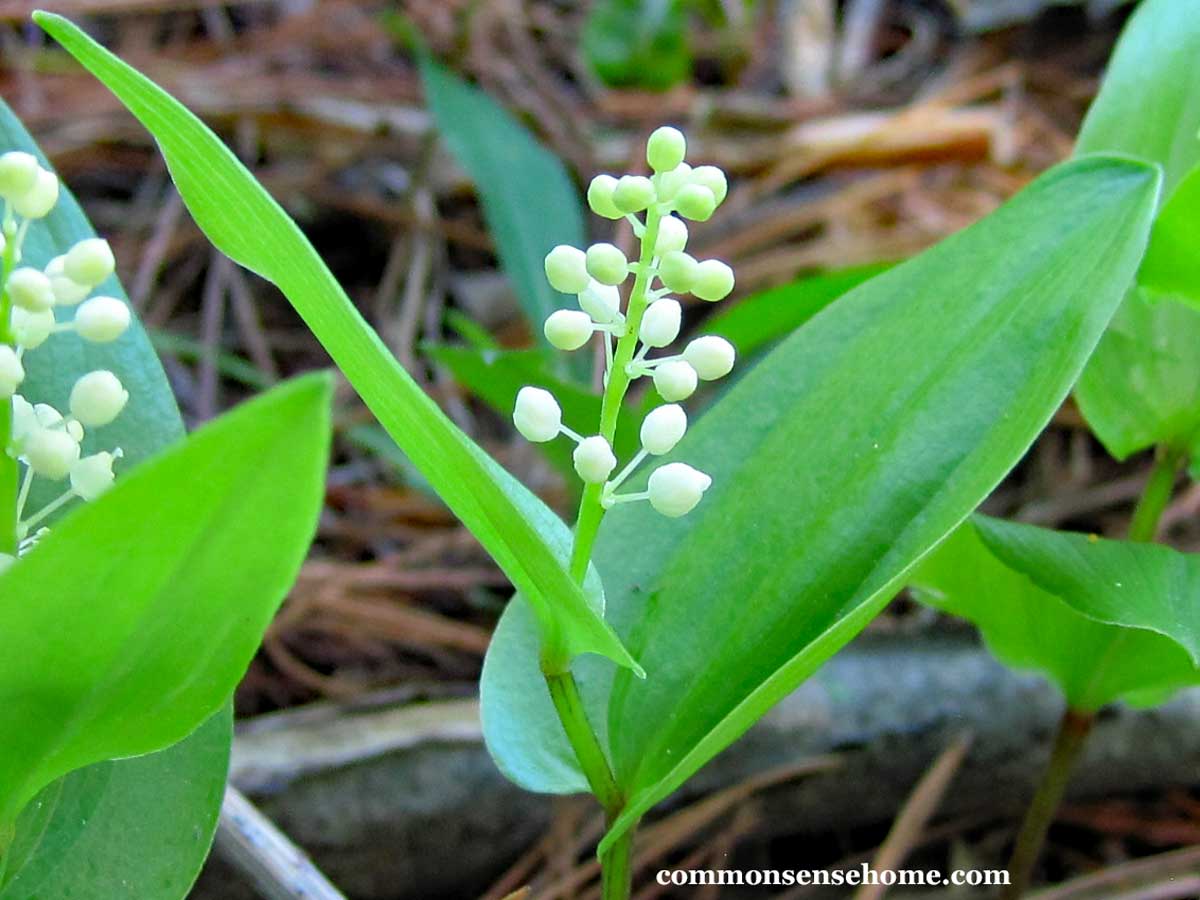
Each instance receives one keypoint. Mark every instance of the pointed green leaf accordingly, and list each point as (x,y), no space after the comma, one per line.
(167,583)
(1137,585)
(1029,627)
(244,222)
(847,454)
(1172,263)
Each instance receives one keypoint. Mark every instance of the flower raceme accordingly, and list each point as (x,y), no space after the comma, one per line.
(45,442)
(651,320)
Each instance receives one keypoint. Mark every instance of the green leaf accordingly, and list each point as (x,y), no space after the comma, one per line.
(845,455)
(764,318)
(167,582)
(133,828)
(1028,626)
(244,222)
(1142,385)
(638,43)
(1137,585)
(529,200)
(150,820)
(1172,263)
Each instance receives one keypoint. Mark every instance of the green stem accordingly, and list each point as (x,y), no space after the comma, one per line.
(616,867)
(1157,493)
(1068,744)
(569,705)
(9,475)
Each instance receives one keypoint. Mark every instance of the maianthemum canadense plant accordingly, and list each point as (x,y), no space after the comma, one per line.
(644,642)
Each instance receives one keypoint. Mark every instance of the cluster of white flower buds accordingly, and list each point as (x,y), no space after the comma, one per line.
(46,441)
(651,321)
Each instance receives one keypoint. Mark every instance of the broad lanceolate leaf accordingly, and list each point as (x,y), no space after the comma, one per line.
(1030,627)
(529,201)
(246,224)
(847,454)
(134,619)
(1138,585)
(147,821)
(1149,108)
(131,828)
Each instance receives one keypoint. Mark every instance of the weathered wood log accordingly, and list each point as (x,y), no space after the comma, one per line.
(399,802)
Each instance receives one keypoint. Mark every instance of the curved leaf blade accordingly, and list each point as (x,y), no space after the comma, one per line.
(246,224)
(168,582)
(834,473)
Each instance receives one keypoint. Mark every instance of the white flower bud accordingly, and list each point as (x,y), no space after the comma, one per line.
(31,329)
(12,373)
(660,323)
(601,301)
(666,148)
(89,262)
(66,291)
(98,398)
(672,236)
(37,202)
(537,415)
(607,264)
(568,329)
(712,178)
(51,452)
(24,421)
(600,197)
(695,202)
(669,183)
(18,172)
(711,356)
(30,289)
(93,475)
(675,380)
(566,269)
(663,428)
(677,271)
(714,280)
(633,193)
(102,319)
(594,460)
(676,488)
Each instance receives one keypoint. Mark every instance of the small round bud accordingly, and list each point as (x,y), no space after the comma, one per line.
(93,475)
(633,193)
(714,280)
(18,172)
(98,398)
(51,452)
(568,329)
(712,178)
(711,356)
(676,488)
(675,380)
(695,202)
(669,183)
(12,373)
(66,291)
(31,329)
(672,236)
(660,323)
(607,264)
(30,289)
(594,460)
(663,428)
(102,319)
(600,197)
(677,271)
(566,269)
(601,301)
(666,148)
(89,262)
(37,202)
(537,415)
